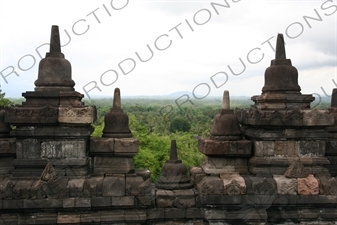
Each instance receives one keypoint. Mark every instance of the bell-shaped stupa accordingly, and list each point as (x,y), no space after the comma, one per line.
(54,69)
(281,89)
(226,124)
(116,121)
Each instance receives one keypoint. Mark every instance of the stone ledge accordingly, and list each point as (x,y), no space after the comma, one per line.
(127,147)
(285,117)
(211,147)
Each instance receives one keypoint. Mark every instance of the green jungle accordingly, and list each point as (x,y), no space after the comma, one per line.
(155,122)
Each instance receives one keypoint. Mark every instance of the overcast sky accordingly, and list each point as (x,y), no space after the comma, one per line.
(197,46)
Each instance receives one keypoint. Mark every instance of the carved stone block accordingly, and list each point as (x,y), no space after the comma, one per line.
(80,115)
(234,184)
(211,185)
(327,185)
(280,148)
(75,188)
(286,148)
(263,186)
(308,185)
(165,198)
(286,186)
(317,117)
(211,147)
(296,170)
(7,146)
(63,149)
(241,148)
(184,198)
(111,165)
(132,184)
(264,148)
(217,165)
(30,148)
(114,186)
(102,145)
(123,201)
(56,188)
(17,115)
(6,188)
(126,145)
(196,174)
(312,148)
(93,187)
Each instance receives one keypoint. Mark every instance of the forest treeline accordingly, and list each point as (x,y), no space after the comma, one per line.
(155,122)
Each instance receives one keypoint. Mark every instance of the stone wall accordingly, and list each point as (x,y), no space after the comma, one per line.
(274,163)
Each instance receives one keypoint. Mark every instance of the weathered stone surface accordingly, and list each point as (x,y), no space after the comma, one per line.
(210,147)
(114,186)
(165,198)
(112,216)
(29,167)
(317,117)
(264,148)
(286,148)
(18,115)
(56,188)
(262,186)
(312,148)
(211,185)
(197,174)
(234,184)
(29,148)
(217,165)
(112,165)
(93,187)
(134,216)
(309,214)
(63,149)
(102,145)
(327,185)
(101,201)
(296,170)
(7,146)
(69,203)
(68,218)
(132,184)
(91,217)
(213,147)
(308,186)
(184,198)
(123,201)
(72,115)
(6,165)
(286,186)
(75,187)
(126,145)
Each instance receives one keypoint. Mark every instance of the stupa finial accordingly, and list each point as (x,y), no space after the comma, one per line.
(173,153)
(117,99)
(55,43)
(280,52)
(225,100)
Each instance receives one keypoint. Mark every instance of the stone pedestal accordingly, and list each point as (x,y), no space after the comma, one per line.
(226,151)
(53,110)
(281,124)
(113,155)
